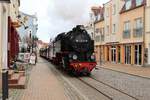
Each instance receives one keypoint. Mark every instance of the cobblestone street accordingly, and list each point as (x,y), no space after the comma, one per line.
(130,84)
(47,82)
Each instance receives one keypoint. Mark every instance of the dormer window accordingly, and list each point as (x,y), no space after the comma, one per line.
(138,2)
(128,4)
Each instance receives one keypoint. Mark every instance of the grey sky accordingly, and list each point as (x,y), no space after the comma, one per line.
(55,16)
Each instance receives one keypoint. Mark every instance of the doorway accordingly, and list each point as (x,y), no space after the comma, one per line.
(127,54)
(119,53)
(107,53)
(138,54)
(113,54)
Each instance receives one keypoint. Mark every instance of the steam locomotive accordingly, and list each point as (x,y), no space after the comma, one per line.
(73,51)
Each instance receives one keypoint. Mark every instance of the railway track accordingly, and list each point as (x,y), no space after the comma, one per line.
(123,95)
(115,94)
(119,95)
(96,89)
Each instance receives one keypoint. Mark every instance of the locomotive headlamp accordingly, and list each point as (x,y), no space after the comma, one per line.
(75,57)
(92,57)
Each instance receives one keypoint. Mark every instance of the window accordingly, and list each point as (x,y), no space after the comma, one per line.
(107,29)
(102,34)
(107,12)
(114,28)
(96,18)
(126,32)
(128,4)
(138,2)
(92,34)
(97,30)
(126,25)
(138,23)
(103,30)
(138,30)
(114,9)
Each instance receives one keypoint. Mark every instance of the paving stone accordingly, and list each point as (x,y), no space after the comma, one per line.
(42,85)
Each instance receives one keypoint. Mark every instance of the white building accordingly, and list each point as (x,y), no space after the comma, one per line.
(90,25)
(3,38)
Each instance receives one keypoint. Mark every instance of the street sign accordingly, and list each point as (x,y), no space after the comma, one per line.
(5,1)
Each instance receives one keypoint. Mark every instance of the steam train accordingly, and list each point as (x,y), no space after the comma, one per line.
(73,51)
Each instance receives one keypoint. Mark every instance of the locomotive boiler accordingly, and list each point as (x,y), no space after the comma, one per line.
(74,51)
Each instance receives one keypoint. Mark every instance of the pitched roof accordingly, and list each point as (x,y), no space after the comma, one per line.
(133,5)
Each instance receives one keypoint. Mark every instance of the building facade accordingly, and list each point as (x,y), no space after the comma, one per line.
(13,24)
(28,30)
(147,32)
(3,39)
(90,25)
(125,33)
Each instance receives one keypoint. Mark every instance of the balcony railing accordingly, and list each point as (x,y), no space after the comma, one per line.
(126,34)
(138,32)
(97,38)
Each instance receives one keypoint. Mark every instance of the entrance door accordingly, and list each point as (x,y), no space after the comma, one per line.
(107,53)
(127,54)
(138,54)
(113,54)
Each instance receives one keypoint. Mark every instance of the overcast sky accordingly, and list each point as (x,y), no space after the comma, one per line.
(56,16)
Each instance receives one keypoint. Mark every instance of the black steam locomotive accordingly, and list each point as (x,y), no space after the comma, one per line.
(73,51)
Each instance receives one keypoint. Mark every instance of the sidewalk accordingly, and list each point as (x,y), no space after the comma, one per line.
(43,85)
(129,69)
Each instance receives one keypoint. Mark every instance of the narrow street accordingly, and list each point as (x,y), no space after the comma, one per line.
(47,82)
(75,50)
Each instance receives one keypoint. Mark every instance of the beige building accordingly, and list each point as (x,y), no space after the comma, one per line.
(132,29)
(147,31)
(126,33)
(99,31)
(3,36)
(14,10)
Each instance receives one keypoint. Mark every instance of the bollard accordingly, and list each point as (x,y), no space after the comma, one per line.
(4,84)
